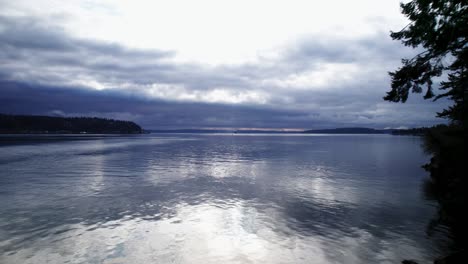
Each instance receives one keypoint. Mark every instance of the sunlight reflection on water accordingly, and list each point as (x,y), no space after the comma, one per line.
(214,199)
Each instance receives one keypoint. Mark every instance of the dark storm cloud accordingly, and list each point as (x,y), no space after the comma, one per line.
(28,44)
(21,98)
(29,33)
(25,99)
(31,50)
(46,71)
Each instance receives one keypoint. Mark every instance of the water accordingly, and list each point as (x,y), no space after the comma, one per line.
(214,199)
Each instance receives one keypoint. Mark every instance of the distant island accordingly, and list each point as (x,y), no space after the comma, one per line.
(350,130)
(364,130)
(31,124)
(421,131)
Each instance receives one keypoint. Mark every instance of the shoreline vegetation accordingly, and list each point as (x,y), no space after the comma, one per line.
(32,124)
(38,124)
(447,185)
(440,28)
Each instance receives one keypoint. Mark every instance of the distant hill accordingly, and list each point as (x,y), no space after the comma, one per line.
(349,130)
(190,131)
(30,124)
(217,131)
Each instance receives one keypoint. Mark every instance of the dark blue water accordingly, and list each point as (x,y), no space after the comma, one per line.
(214,199)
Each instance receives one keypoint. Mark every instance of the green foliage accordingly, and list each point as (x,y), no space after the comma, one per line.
(441,29)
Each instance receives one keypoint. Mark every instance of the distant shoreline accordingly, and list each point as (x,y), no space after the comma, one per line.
(51,125)
(334,131)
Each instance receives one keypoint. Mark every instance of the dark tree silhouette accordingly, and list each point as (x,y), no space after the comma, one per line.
(440,27)
(49,124)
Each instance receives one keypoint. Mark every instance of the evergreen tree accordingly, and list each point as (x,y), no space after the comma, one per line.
(440,27)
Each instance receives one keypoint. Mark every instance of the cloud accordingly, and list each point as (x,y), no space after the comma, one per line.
(24,99)
(316,81)
(21,98)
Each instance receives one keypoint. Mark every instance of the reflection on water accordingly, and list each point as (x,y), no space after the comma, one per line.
(214,199)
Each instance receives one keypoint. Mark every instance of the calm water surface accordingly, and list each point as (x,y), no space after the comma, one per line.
(214,199)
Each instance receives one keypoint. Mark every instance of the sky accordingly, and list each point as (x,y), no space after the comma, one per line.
(208,63)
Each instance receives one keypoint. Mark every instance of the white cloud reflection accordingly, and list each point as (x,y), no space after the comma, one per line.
(207,233)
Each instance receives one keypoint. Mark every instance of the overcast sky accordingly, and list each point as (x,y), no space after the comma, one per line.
(207,63)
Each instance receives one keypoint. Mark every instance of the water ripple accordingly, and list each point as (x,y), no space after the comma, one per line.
(213,199)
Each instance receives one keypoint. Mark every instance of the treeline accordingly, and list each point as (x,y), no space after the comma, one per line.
(420,131)
(29,124)
(346,130)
